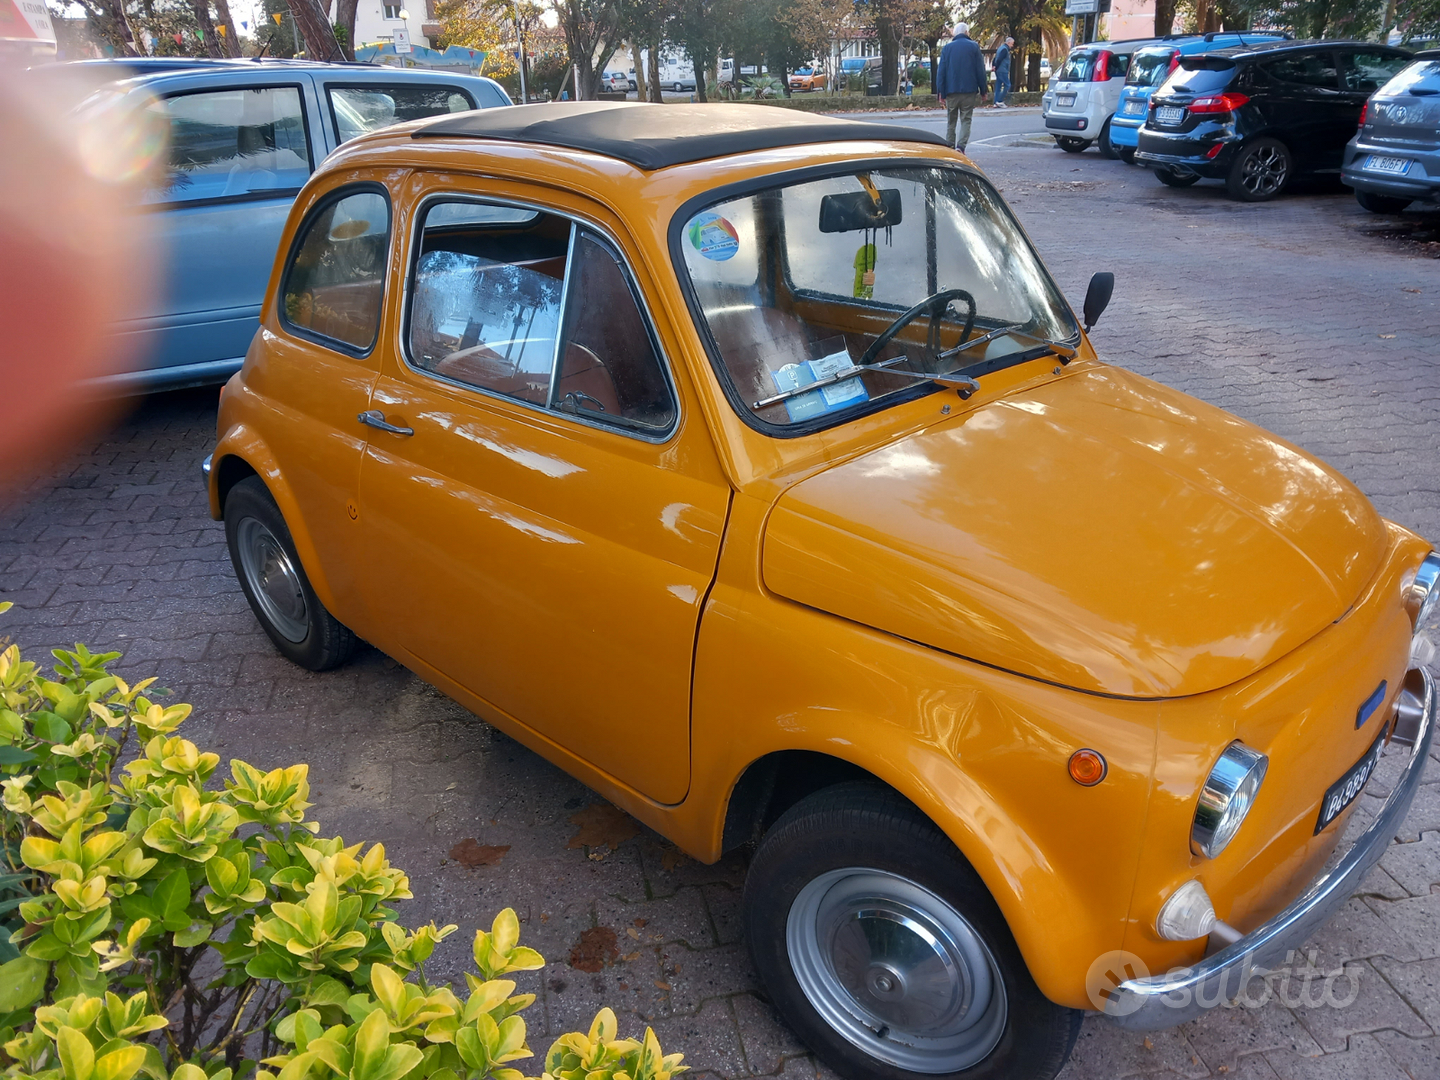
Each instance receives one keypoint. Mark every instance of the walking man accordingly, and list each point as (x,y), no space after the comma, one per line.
(1002,72)
(960,84)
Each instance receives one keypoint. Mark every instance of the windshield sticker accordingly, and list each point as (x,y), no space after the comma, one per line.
(828,398)
(714,237)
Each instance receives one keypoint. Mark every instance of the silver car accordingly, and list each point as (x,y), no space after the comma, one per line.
(1394,158)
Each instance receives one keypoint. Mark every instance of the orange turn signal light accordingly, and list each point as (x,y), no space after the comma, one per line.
(1087,767)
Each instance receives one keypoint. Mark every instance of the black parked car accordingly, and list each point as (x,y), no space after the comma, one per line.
(1394,159)
(1256,116)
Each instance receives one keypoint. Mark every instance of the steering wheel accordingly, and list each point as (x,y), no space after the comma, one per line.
(936,305)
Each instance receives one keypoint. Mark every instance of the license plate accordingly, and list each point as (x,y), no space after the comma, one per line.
(1169,114)
(1397,165)
(1347,789)
(1134,108)
(1064,99)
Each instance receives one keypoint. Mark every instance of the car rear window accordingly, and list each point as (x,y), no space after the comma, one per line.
(1199,75)
(1149,67)
(1078,67)
(1424,74)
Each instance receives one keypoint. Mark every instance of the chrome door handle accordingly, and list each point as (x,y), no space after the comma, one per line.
(376,419)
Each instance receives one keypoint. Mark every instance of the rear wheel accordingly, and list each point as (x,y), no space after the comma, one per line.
(1103,143)
(1381,204)
(1070,144)
(678,88)
(1260,171)
(1171,178)
(882,948)
(275,583)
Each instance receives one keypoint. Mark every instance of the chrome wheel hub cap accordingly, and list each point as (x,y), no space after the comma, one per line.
(272,579)
(1265,171)
(896,970)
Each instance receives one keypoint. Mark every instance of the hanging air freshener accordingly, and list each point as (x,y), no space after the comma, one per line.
(865,269)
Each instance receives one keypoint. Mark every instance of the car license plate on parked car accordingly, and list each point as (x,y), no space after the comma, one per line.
(1347,789)
(1398,165)
(1134,108)
(1064,99)
(1169,114)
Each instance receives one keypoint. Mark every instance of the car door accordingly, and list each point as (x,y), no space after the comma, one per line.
(1306,109)
(240,147)
(545,529)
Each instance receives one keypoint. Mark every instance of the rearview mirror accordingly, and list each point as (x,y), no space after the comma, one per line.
(854,210)
(1097,298)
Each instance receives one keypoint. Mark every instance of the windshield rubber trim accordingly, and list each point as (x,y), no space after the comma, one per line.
(715,196)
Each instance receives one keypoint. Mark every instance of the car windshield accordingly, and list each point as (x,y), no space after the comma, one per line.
(795,283)
(1422,73)
(856,63)
(1077,67)
(1149,67)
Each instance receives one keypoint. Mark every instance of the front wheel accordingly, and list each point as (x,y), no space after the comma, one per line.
(275,583)
(1125,153)
(884,951)
(1381,204)
(1069,144)
(1260,171)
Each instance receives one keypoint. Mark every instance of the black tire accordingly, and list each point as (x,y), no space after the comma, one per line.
(854,840)
(1070,144)
(275,583)
(1381,204)
(678,88)
(1103,143)
(1126,154)
(1260,171)
(1170,178)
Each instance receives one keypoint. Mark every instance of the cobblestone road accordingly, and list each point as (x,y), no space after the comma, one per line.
(1297,315)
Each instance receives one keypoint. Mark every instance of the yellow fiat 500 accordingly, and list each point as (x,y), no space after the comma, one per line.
(751,467)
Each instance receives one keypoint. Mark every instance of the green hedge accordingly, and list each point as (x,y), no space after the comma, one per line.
(861,103)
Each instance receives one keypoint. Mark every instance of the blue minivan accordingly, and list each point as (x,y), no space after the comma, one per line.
(1148,69)
(243,137)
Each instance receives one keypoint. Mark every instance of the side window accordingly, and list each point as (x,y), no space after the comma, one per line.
(336,279)
(1306,69)
(1119,65)
(529,306)
(1366,72)
(358,109)
(232,143)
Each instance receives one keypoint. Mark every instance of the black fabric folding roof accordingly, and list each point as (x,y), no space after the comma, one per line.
(658,136)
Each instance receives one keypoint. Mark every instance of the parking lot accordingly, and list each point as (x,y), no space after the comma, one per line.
(1308,316)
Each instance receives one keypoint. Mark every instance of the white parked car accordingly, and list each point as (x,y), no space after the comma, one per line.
(615,82)
(1084,94)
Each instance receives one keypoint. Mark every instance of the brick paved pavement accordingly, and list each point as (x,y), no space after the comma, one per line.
(1291,314)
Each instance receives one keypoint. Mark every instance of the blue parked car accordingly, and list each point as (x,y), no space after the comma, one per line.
(1148,69)
(244,136)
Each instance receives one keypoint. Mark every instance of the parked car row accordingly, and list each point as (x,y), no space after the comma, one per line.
(1256,111)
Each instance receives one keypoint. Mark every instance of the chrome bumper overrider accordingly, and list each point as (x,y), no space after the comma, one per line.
(205,467)
(1162,1001)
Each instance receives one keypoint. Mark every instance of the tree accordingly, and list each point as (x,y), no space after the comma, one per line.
(817,25)
(272,38)
(1039,27)
(474,24)
(645,24)
(1420,19)
(315,28)
(592,34)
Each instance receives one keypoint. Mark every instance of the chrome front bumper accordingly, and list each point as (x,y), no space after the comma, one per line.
(1163,1001)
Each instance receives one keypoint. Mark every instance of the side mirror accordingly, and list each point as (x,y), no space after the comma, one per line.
(1097,298)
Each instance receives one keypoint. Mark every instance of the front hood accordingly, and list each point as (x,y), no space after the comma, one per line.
(1098,531)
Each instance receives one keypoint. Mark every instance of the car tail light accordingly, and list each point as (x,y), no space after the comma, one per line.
(1174,63)
(1218,103)
(1102,67)
(1364,112)
(1214,151)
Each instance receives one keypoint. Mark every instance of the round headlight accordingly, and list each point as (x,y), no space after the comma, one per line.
(1228,794)
(1420,591)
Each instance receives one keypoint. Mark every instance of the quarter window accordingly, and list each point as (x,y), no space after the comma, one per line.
(232,144)
(358,109)
(530,306)
(1305,69)
(335,282)
(1366,72)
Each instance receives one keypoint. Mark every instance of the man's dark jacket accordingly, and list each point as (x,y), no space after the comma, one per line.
(962,69)
(1002,62)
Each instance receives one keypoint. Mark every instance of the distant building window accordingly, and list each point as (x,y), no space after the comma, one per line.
(392,11)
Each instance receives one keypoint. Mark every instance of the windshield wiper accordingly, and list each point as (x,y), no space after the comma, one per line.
(1065,352)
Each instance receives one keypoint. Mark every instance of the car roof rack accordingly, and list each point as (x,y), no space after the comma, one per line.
(1272,35)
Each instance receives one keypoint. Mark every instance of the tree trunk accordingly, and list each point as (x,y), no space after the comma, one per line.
(207,28)
(638,60)
(1164,17)
(345,16)
(889,55)
(655,69)
(701,71)
(121,34)
(230,41)
(320,43)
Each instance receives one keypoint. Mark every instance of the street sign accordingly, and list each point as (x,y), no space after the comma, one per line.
(1086,7)
(402,40)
